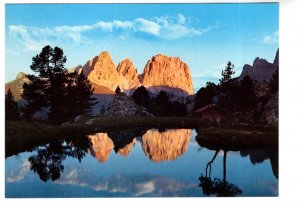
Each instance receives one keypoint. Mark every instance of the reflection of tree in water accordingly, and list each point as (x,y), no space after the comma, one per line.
(47,162)
(121,138)
(217,186)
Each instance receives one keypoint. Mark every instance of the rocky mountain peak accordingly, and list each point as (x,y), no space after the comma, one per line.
(101,71)
(127,69)
(261,70)
(170,72)
(260,62)
(21,75)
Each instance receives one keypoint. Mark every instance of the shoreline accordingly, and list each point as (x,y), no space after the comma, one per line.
(23,136)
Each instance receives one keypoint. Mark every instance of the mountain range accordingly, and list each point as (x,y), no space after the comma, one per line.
(161,72)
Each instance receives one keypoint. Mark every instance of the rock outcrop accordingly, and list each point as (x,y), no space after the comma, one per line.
(167,145)
(167,72)
(16,86)
(102,146)
(126,69)
(78,69)
(270,114)
(262,70)
(125,106)
(101,71)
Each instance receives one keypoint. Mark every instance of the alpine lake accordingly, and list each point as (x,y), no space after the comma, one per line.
(140,163)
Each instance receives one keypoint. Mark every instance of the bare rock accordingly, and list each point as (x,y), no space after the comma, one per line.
(123,106)
(270,114)
(261,70)
(101,71)
(126,69)
(165,71)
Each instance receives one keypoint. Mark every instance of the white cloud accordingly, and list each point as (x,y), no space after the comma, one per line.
(165,27)
(18,174)
(273,38)
(181,19)
(147,26)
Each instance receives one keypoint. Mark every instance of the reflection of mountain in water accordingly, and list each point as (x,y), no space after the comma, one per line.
(158,146)
(166,145)
(122,141)
(102,145)
(126,149)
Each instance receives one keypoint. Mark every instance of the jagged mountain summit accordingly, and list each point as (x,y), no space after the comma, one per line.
(127,69)
(161,72)
(167,73)
(101,71)
(261,70)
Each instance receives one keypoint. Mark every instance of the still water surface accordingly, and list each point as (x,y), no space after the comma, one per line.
(149,163)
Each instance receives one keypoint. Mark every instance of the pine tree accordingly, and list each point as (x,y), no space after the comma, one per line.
(141,96)
(228,88)
(118,90)
(34,96)
(205,95)
(227,75)
(80,100)
(11,107)
(66,94)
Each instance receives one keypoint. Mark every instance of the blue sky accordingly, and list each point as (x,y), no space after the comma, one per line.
(205,36)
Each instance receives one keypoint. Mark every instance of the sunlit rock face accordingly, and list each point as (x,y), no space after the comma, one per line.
(126,69)
(166,145)
(102,146)
(126,150)
(101,71)
(169,72)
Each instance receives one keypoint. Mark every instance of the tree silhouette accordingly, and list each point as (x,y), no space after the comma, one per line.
(34,95)
(55,88)
(205,95)
(218,187)
(245,96)
(118,90)
(11,107)
(141,96)
(79,99)
(48,160)
(160,106)
(227,75)
(228,88)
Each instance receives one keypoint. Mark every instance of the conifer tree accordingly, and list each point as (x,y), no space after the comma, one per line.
(65,94)
(11,107)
